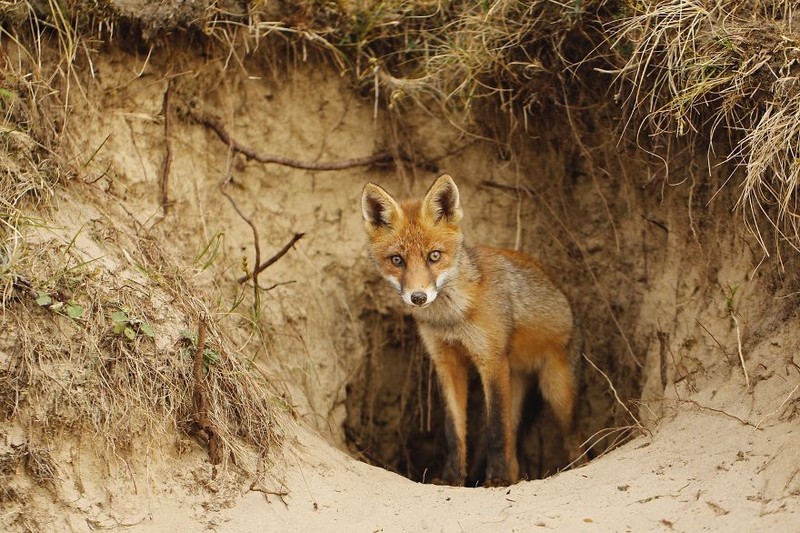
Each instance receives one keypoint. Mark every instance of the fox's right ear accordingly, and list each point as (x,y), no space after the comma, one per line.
(378,207)
(442,201)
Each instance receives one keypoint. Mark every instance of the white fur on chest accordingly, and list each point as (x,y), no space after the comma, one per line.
(447,320)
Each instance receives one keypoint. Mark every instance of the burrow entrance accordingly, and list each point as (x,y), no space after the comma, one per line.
(395,416)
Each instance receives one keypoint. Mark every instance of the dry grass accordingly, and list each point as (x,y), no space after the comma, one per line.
(447,57)
(64,365)
(720,72)
(68,374)
(724,73)
(769,153)
(26,179)
(516,56)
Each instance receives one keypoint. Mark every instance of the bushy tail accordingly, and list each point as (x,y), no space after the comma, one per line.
(576,347)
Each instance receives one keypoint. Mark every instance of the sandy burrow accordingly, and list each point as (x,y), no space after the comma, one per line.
(702,468)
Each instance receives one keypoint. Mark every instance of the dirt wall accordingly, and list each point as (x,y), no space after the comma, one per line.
(134,180)
(660,270)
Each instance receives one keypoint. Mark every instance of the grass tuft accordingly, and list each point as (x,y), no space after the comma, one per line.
(82,348)
(723,73)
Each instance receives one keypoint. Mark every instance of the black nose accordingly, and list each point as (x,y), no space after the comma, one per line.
(418,298)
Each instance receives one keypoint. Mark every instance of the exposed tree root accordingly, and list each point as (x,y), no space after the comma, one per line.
(216,126)
(202,427)
(272,260)
(166,111)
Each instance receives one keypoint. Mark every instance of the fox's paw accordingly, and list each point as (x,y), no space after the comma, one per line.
(496,482)
(452,474)
(452,483)
(577,455)
(498,474)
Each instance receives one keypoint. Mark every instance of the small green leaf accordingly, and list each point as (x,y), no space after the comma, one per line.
(120,327)
(119,317)
(5,93)
(210,356)
(189,335)
(145,328)
(74,310)
(128,331)
(44,300)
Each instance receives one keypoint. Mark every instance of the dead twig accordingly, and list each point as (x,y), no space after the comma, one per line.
(720,411)
(279,284)
(256,244)
(620,434)
(260,267)
(741,355)
(614,391)
(216,126)
(166,111)
(281,494)
(203,428)
(719,344)
(272,260)
(776,411)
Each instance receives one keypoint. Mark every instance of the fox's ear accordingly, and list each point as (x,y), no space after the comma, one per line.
(442,201)
(378,207)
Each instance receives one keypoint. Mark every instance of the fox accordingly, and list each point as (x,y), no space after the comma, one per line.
(489,308)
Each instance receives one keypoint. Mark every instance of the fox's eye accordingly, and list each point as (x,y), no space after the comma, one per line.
(434,256)
(397,260)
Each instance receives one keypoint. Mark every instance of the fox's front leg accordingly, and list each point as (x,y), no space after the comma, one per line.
(452,371)
(501,459)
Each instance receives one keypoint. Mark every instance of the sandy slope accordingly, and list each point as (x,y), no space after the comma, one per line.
(719,462)
(701,470)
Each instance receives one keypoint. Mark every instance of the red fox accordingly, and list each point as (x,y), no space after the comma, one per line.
(492,308)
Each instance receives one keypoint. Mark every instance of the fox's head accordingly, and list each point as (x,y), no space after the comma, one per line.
(415,243)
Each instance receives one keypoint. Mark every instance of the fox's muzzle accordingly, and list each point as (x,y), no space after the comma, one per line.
(423,296)
(418,298)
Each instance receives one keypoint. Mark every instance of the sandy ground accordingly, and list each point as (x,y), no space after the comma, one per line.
(700,470)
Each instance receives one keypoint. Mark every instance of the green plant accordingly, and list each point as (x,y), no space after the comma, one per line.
(6,94)
(129,327)
(206,257)
(211,356)
(68,308)
(730,295)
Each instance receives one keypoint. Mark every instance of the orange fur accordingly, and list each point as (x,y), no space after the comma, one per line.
(494,309)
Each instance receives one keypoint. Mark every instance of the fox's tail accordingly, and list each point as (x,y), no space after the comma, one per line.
(577,350)
(576,347)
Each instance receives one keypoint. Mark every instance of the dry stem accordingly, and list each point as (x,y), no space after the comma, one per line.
(216,126)
(203,428)
(166,111)
(776,411)
(739,346)
(613,390)
(256,245)
(269,262)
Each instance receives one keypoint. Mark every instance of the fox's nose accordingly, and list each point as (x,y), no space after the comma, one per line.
(418,298)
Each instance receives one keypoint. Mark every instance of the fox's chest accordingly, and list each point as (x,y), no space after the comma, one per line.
(474,340)
(452,325)
(449,312)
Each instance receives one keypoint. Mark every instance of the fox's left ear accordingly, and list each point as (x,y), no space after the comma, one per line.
(442,201)
(379,208)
